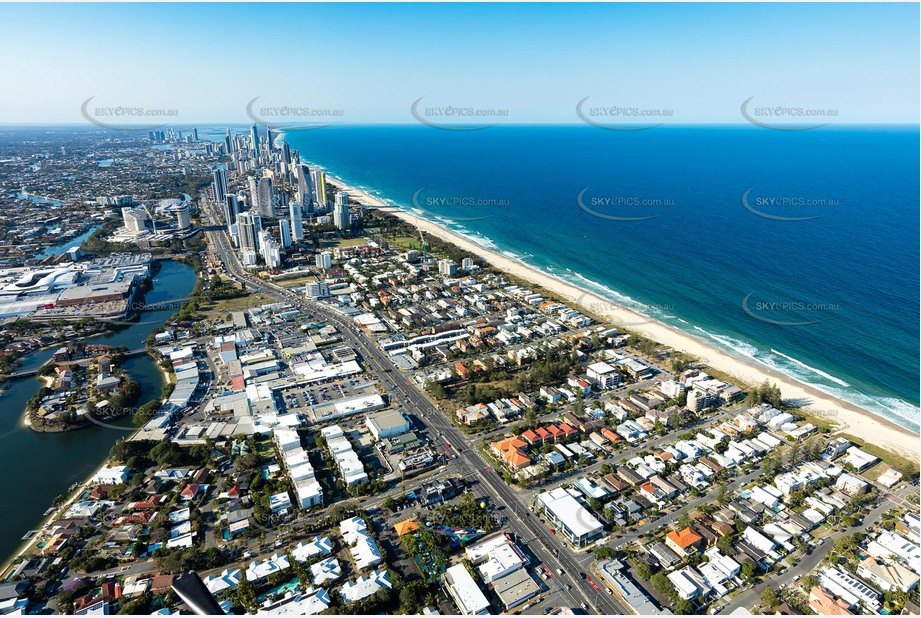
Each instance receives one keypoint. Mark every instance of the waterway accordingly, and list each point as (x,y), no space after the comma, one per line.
(59,249)
(37,467)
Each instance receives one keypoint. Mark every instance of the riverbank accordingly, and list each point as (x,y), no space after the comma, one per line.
(846,416)
(51,463)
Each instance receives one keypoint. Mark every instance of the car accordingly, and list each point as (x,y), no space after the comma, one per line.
(568,587)
(584,606)
(559,571)
(796,578)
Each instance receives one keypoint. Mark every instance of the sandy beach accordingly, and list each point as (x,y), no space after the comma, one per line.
(848,417)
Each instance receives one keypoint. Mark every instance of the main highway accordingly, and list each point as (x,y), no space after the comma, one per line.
(545,546)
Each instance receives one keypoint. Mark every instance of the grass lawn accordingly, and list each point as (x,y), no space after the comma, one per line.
(298,282)
(405,242)
(876,471)
(350,242)
(225,306)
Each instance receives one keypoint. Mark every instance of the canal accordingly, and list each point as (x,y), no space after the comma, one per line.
(37,467)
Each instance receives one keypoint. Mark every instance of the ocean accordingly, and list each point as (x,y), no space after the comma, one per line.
(797,249)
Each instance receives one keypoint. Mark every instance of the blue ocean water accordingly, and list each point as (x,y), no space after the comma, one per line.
(798,249)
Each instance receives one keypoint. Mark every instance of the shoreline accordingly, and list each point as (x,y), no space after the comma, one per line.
(9,562)
(849,417)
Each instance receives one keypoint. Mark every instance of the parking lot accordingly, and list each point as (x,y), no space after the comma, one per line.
(325,392)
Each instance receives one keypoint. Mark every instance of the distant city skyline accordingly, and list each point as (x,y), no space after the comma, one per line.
(369,63)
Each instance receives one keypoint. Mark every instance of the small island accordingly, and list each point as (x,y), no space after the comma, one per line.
(84,385)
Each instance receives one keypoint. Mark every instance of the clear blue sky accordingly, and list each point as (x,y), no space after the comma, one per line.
(537,61)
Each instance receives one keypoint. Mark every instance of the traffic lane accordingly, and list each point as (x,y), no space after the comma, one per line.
(505,496)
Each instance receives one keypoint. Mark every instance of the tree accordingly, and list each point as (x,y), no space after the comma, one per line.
(726,545)
(146,412)
(685,607)
(167,454)
(246,594)
(604,553)
(772,465)
(679,362)
(795,454)
(769,597)
(810,581)
(644,572)
(662,585)
(682,521)
(749,569)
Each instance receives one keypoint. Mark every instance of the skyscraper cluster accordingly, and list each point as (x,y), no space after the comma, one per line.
(276,185)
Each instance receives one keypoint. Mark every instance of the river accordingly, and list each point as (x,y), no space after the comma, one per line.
(40,466)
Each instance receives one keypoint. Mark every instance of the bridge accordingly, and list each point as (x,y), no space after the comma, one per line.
(175,303)
(28,373)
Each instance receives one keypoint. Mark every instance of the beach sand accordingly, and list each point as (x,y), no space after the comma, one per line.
(848,417)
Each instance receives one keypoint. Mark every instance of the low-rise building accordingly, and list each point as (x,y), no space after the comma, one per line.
(572,520)
(683,542)
(386,424)
(822,602)
(467,595)
(889,575)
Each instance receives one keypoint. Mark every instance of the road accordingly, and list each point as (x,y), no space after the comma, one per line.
(528,530)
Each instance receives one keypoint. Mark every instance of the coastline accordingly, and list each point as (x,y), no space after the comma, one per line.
(849,417)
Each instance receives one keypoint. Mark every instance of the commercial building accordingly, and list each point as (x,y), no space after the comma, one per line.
(468,597)
(573,521)
(386,424)
(515,588)
(135,219)
(495,557)
(183,216)
(626,590)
